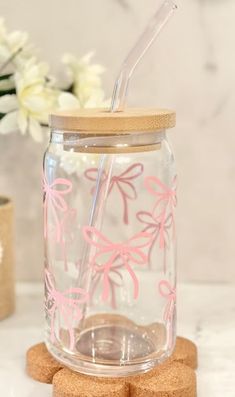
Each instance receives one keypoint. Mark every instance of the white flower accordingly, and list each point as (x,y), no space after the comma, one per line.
(67,101)
(1,252)
(85,79)
(34,100)
(15,42)
(36,95)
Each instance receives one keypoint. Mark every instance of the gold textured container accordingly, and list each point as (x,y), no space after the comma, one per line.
(7,293)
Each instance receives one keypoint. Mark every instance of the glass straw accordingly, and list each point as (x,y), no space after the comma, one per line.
(154,27)
(151,32)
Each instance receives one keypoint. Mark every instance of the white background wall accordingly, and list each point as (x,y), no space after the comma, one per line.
(191,68)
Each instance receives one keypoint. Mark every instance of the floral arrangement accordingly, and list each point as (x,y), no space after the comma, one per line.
(28,92)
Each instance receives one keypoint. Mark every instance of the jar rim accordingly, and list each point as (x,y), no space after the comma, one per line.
(103,121)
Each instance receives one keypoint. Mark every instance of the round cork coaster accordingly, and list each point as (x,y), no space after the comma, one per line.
(40,365)
(168,380)
(185,352)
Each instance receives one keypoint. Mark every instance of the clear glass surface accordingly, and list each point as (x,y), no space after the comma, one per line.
(109,230)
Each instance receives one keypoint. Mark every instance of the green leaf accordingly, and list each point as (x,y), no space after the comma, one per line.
(6,76)
(8,92)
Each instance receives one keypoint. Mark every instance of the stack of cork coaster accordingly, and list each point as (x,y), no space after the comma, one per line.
(174,378)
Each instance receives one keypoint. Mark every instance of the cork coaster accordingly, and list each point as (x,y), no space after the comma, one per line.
(185,353)
(40,365)
(174,378)
(70,384)
(168,380)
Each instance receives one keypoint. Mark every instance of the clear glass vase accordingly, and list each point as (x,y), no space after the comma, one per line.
(109,200)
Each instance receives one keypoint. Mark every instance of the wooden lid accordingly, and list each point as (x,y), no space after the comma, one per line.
(102,120)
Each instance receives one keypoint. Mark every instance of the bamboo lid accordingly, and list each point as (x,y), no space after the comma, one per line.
(105,122)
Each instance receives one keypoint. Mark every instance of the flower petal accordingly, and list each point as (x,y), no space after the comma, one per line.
(35,103)
(87,57)
(35,130)
(95,98)
(8,103)
(22,121)
(7,84)
(8,123)
(17,40)
(68,58)
(68,101)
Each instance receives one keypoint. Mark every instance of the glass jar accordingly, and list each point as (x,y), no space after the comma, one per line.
(109,199)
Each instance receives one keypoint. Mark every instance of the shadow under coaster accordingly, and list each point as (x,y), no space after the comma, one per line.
(174,378)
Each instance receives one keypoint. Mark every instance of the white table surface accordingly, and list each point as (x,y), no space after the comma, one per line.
(206,314)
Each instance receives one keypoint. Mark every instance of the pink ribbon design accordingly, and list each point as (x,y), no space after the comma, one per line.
(154,227)
(68,307)
(54,201)
(127,252)
(114,272)
(163,210)
(168,292)
(123,183)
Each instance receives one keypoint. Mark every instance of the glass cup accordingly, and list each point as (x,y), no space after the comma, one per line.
(109,187)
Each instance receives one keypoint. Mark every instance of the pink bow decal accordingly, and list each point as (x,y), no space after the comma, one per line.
(166,202)
(154,227)
(54,200)
(168,292)
(123,183)
(127,252)
(114,279)
(66,303)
